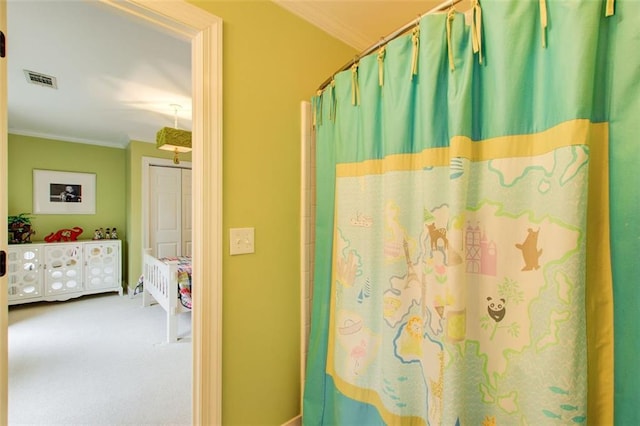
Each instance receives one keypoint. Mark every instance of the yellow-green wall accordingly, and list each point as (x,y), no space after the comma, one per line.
(26,153)
(118,189)
(272,60)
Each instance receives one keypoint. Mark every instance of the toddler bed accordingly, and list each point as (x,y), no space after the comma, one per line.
(168,282)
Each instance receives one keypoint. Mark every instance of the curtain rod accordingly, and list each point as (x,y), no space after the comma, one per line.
(397,33)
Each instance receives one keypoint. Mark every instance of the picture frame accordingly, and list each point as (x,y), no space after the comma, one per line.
(60,192)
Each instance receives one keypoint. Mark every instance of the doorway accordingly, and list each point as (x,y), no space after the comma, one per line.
(205,32)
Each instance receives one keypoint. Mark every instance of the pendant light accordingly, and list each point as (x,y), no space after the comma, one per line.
(174,139)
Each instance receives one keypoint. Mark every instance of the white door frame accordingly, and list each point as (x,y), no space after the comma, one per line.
(205,32)
(4,317)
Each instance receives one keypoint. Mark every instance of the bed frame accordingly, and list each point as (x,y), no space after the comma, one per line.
(161,285)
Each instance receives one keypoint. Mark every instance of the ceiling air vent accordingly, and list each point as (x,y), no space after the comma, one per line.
(41,79)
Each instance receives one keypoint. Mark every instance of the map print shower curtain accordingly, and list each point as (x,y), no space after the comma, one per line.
(459,282)
(463,266)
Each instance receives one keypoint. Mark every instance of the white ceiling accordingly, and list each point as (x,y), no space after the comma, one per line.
(118,76)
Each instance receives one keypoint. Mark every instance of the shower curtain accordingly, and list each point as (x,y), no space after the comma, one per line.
(463,270)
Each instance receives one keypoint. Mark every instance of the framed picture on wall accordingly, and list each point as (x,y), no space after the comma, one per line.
(59,192)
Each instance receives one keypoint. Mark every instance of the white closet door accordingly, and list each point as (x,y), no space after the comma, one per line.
(165,211)
(186,212)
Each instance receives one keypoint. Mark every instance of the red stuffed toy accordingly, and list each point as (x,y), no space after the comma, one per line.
(64,235)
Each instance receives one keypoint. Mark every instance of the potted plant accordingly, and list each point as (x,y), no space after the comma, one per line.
(20,228)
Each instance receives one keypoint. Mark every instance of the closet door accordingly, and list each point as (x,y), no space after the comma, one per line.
(186,212)
(165,211)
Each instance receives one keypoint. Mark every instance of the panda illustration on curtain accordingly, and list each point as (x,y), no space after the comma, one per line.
(496,309)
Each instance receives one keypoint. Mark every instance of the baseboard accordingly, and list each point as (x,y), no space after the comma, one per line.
(296,421)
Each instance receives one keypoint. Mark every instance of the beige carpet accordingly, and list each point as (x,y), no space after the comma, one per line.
(97,360)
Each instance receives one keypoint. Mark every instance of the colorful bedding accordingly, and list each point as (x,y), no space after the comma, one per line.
(184,278)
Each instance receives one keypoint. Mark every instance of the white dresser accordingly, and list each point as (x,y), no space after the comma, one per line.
(61,271)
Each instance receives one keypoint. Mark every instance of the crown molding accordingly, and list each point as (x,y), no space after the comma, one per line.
(119,144)
(311,12)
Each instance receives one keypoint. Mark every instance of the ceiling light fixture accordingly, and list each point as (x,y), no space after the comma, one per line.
(174,139)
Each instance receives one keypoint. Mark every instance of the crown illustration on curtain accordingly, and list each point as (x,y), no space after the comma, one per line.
(174,139)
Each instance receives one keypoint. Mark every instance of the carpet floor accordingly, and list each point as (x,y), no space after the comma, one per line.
(97,360)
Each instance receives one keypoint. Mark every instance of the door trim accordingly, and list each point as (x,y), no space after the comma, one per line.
(4,314)
(205,32)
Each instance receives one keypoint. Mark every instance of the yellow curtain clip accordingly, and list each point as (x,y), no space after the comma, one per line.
(355,89)
(332,94)
(451,15)
(415,41)
(381,53)
(543,22)
(610,8)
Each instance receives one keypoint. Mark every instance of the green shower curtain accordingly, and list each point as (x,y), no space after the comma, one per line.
(464,257)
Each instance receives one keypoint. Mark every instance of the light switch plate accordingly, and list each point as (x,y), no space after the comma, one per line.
(241,241)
